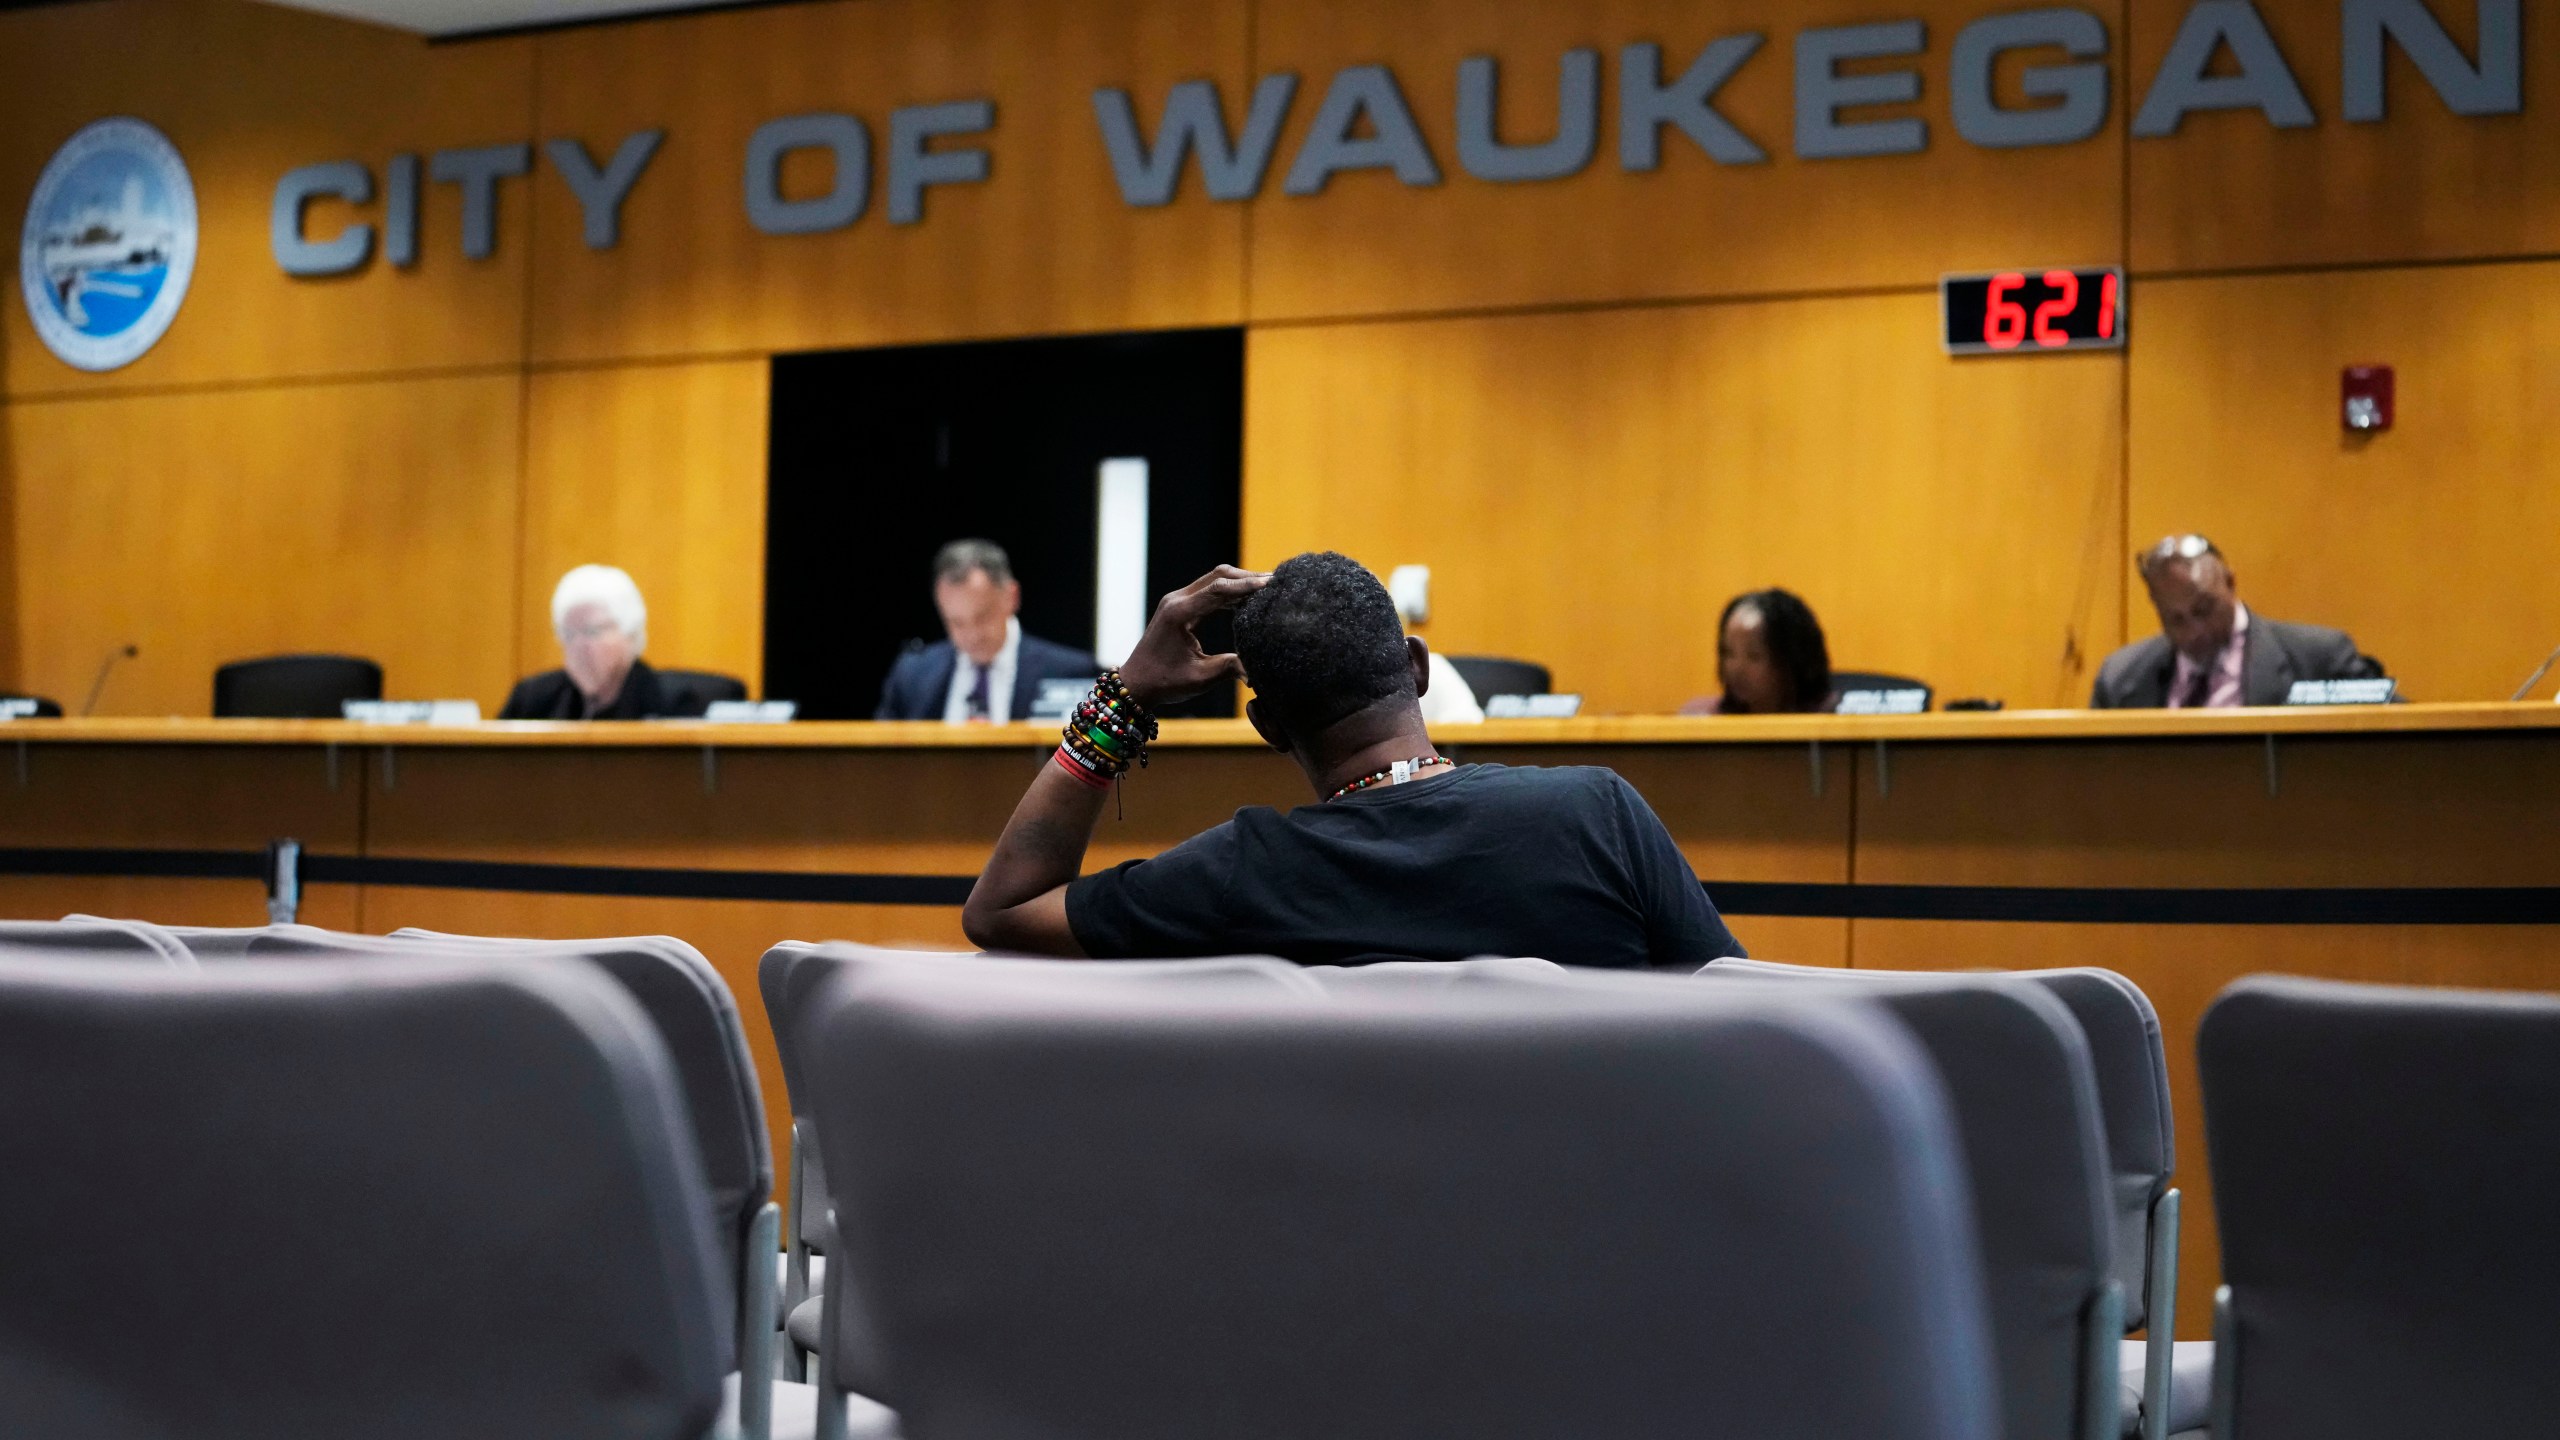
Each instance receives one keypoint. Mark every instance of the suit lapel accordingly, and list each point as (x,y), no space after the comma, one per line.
(943,662)
(2266,671)
(2151,683)
(1026,683)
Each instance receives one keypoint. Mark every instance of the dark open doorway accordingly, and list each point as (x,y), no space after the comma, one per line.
(880,456)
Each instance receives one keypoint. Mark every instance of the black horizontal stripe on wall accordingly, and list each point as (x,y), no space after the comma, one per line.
(2086,905)
(137,864)
(659,884)
(2106,905)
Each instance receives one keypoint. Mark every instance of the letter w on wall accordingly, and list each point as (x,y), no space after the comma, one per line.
(1194,123)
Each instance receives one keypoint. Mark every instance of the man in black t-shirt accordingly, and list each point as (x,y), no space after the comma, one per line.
(1406,855)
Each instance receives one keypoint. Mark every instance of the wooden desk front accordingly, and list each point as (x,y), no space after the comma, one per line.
(2413,844)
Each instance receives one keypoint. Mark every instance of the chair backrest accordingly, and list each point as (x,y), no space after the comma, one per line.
(793,970)
(2386,1168)
(338,1199)
(87,937)
(684,994)
(2024,1092)
(683,998)
(294,687)
(1089,1207)
(1491,675)
(794,973)
(204,942)
(1429,975)
(1844,681)
(691,692)
(2133,1092)
(783,994)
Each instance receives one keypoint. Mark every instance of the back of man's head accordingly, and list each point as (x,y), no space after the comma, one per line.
(1321,642)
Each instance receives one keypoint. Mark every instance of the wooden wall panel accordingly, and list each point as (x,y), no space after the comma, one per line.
(1590,488)
(660,470)
(2430,542)
(1372,245)
(169,797)
(373,519)
(248,92)
(2344,811)
(2231,191)
(884,811)
(1046,247)
(177,797)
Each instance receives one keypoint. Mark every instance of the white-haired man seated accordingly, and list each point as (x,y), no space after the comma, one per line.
(603,625)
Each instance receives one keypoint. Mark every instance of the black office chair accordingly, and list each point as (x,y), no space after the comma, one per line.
(46,709)
(294,687)
(692,692)
(1490,675)
(1844,681)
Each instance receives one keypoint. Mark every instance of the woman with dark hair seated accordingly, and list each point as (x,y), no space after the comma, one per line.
(1771,658)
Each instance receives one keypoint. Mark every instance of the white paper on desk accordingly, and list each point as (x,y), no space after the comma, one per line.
(411,712)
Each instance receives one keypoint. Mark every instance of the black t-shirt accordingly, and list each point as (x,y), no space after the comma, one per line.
(1568,865)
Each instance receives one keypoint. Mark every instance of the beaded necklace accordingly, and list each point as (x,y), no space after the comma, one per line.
(1395,774)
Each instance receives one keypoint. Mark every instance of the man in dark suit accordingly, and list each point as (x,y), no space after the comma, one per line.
(988,670)
(2211,652)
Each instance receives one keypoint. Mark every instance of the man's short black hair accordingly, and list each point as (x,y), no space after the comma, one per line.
(1322,642)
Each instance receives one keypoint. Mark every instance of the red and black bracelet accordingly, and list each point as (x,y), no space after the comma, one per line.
(1106,735)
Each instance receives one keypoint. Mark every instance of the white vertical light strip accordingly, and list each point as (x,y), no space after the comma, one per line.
(1119,559)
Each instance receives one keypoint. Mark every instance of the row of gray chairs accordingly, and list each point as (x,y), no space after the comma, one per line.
(692,1053)
(2016,1056)
(2059,1087)
(1230,1199)
(1236,1197)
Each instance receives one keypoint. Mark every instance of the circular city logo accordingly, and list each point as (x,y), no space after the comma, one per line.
(109,245)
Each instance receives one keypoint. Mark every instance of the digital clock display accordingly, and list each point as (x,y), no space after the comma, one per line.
(2031,312)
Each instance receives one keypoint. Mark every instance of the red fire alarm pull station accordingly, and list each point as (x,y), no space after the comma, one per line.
(2366,398)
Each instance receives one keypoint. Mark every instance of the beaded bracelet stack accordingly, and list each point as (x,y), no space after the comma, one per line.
(1106,735)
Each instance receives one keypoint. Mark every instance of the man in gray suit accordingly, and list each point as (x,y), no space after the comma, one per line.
(2211,652)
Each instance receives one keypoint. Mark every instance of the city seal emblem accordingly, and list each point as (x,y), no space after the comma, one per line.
(109,245)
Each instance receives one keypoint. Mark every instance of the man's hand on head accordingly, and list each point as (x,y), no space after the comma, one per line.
(1169,666)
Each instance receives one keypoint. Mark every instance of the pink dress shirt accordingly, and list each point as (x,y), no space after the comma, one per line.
(2225,691)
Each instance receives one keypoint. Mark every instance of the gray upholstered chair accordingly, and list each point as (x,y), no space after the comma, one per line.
(213,942)
(2024,1090)
(697,1020)
(2167,1380)
(788,975)
(87,937)
(442,1199)
(1250,1207)
(2386,1169)
(804,1214)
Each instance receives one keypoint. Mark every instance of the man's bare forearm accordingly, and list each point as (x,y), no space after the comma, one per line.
(1017,903)
(1020,901)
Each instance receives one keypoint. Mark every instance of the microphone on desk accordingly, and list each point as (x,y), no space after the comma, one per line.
(121,652)
(2538,672)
